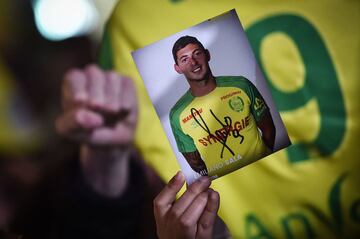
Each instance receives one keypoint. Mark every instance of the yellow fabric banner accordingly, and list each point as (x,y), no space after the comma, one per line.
(309,54)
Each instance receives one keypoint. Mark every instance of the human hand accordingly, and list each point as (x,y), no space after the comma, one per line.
(99,108)
(192,216)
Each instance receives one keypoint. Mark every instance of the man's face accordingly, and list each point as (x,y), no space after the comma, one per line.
(193,62)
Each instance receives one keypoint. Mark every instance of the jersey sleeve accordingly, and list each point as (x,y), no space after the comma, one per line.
(258,105)
(184,142)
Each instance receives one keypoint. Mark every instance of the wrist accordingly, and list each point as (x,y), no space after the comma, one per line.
(106,169)
(108,153)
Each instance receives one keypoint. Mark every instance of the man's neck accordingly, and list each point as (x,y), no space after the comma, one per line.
(203,87)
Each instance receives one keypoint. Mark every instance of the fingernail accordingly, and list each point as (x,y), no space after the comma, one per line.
(178,176)
(214,195)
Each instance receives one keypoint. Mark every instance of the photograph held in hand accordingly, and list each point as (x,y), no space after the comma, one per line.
(211,98)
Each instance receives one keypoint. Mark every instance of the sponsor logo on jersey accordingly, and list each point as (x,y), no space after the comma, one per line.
(236,104)
(224,97)
(190,116)
(221,134)
(258,103)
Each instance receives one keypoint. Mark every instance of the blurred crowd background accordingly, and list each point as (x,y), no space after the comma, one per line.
(39,41)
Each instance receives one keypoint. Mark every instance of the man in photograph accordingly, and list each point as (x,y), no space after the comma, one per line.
(221,123)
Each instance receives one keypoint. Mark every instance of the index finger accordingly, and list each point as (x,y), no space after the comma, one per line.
(74,88)
(165,199)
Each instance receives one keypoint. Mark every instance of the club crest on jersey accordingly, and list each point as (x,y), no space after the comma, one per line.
(236,104)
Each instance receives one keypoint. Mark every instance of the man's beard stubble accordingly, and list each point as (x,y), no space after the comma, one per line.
(204,79)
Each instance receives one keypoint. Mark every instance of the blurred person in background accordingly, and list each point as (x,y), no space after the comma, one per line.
(101,189)
(31,70)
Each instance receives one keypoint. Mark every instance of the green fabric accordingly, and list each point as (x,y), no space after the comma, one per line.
(105,57)
(184,142)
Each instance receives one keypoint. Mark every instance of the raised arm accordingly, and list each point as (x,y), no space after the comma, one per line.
(100,112)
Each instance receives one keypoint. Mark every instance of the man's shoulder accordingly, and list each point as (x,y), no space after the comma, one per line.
(228,81)
(235,81)
(181,104)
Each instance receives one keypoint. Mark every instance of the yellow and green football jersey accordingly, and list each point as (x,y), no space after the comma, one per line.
(310,61)
(221,125)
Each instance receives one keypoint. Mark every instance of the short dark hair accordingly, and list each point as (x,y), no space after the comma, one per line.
(183,42)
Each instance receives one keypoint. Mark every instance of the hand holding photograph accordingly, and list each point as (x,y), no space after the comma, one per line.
(211,98)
